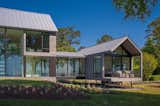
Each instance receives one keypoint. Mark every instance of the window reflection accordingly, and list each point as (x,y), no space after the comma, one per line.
(37,66)
(68,67)
(37,41)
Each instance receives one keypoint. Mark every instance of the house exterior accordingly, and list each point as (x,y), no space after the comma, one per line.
(28,49)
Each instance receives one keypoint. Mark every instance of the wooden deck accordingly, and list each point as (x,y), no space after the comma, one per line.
(118,79)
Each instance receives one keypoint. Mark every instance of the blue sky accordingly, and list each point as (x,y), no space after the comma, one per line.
(92,17)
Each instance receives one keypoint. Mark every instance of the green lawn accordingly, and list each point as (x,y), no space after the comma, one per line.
(148,96)
(24,82)
(119,99)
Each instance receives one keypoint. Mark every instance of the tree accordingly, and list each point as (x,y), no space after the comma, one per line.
(149,46)
(67,37)
(135,8)
(104,38)
(152,44)
(149,65)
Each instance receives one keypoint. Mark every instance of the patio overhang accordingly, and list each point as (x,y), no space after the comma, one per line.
(130,47)
(70,55)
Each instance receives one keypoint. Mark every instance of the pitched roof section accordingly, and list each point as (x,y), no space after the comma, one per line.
(110,46)
(26,20)
(70,54)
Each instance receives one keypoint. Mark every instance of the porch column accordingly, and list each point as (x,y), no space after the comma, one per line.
(103,66)
(24,67)
(52,66)
(23,52)
(131,63)
(141,66)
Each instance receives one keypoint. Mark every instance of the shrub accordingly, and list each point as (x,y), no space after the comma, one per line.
(155,78)
(55,92)
(149,65)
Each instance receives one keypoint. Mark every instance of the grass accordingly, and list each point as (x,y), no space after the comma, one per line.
(117,99)
(149,95)
(24,82)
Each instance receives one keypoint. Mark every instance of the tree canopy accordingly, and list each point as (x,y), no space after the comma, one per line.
(67,37)
(104,38)
(135,8)
(152,44)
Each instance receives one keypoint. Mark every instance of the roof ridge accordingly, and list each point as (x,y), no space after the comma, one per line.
(105,42)
(13,9)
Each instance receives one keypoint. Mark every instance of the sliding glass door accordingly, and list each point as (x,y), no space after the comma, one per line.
(68,67)
(37,66)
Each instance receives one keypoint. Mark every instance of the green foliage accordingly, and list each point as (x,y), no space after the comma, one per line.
(149,46)
(135,8)
(152,44)
(104,38)
(149,65)
(155,77)
(67,37)
(136,65)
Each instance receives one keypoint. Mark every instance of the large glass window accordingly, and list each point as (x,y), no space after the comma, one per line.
(2,40)
(126,63)
(68,67)
(120,51)
(10,52)
(2,56)
(14,65)
(117,63)
(121,60)
(61,67)
(108,65)
(13,41)
(37,66)
(37,41)
(97,66)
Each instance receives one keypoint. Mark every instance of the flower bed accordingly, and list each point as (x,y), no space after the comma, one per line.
(57,91)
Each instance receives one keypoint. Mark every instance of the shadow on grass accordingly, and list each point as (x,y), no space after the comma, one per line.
(113,99)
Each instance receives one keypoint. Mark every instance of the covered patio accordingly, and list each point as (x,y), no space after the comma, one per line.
(113,60)
(118,64)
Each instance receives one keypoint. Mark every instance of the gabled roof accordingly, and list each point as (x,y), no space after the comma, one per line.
(70,54)
(26,20)
(112,45)
(109,46)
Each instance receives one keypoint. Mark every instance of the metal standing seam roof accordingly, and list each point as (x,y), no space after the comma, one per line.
(103,47)
(107,46)
(70,54)
(26,20)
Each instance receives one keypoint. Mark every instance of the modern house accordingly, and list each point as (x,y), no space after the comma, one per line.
(28,49)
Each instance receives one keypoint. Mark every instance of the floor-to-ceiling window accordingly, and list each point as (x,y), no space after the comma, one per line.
(121,60)
(37,66)
(68,67)
(14,62)
(97,66)
(10,52)
(2,56)
(62,67)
